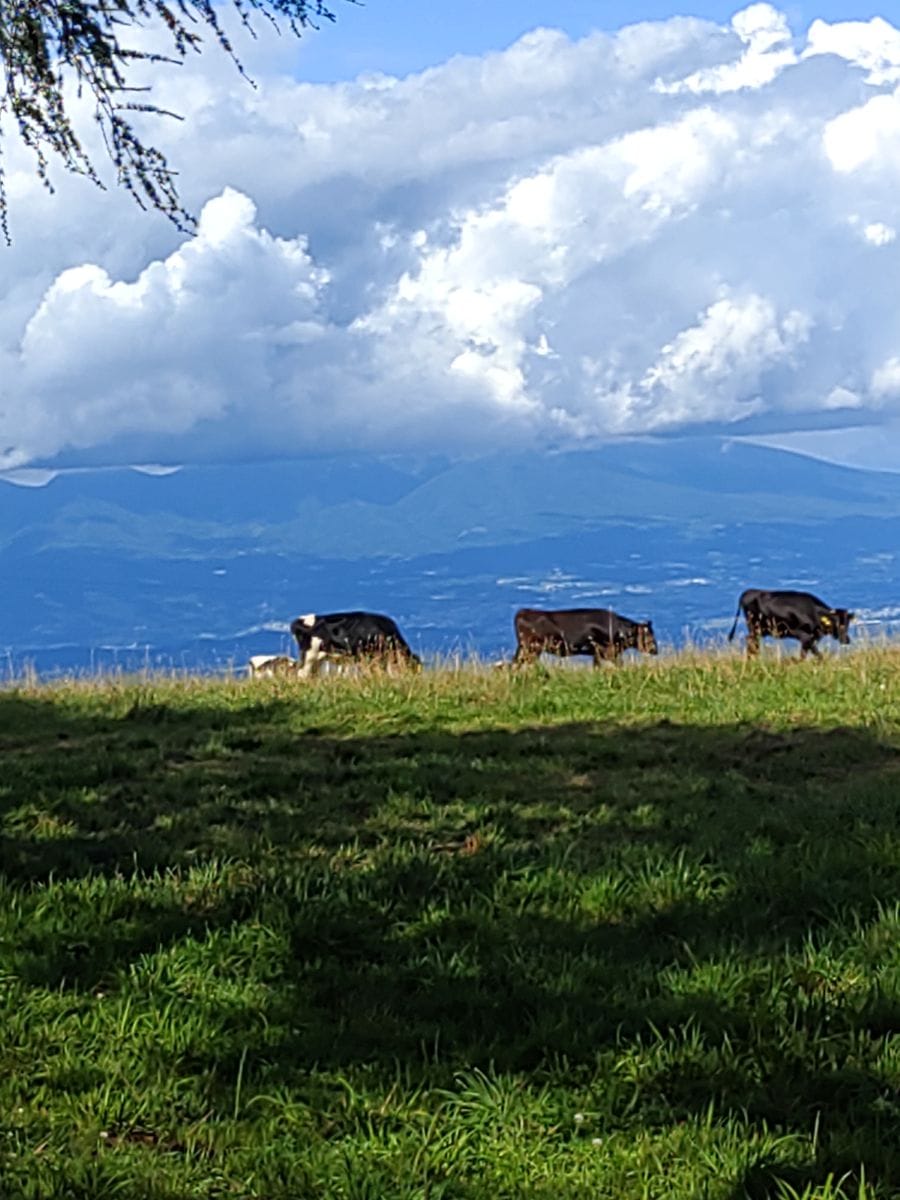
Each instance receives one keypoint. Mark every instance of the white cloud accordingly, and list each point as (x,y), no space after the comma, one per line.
(155,470)
(879,234)
(874,447)
(767,50)
(865,136)
(842,397)
(720,363)
(670,226)
(873,45)
(190,340)
(886,380)
(29,477)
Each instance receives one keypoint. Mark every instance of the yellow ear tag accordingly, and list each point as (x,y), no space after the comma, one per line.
(826,622)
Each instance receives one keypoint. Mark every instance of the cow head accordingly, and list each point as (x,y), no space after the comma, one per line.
(301,630)
(645,639)
(839,625)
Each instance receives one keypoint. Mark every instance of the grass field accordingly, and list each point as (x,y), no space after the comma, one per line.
(626,933)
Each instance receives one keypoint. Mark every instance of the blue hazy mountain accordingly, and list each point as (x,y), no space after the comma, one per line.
(212,562)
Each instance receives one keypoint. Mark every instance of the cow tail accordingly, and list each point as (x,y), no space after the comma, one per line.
(737,616)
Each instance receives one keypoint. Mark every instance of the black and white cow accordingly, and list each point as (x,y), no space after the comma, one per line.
(782,614)
(360,636)
(599,632)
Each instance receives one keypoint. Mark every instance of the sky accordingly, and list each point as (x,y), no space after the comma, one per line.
(389,36)
(524,224)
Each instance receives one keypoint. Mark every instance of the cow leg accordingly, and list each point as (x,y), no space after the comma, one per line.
(606,653)
(531,648)
(311,659)
(752,644)
(808,646)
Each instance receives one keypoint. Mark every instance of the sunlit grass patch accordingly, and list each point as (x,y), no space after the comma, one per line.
(469,932)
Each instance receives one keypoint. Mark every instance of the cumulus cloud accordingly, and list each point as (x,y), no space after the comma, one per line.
(679,224)
(879,234)
(872,45)
(886,379)
(191,340)
(767,50)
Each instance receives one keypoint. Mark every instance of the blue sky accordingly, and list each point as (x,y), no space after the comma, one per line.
(464,234)
(392,35)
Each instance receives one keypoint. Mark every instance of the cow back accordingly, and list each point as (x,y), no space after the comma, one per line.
(580,630)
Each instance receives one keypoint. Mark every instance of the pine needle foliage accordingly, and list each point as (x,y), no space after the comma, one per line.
(48,45)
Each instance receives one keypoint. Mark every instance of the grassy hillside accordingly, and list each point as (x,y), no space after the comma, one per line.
(628,933)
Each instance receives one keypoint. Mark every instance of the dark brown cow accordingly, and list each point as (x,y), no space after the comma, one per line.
(598,632)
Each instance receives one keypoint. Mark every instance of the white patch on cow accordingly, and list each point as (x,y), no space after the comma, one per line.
(313,656)
(309,620)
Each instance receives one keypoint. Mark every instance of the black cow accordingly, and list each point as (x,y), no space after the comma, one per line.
(790,615)
(599,632)
(354,635)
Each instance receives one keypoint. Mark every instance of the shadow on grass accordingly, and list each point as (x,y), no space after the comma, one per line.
(691,915)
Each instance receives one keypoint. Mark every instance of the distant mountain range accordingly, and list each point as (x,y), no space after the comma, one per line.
(207,563)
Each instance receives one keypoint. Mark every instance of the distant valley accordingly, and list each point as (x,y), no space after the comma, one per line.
(201,567)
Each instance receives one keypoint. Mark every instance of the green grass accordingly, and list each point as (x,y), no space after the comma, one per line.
(627,933)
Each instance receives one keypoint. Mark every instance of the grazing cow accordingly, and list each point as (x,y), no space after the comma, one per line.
(353,635)
(272,664)
(599,632)
(797,615)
